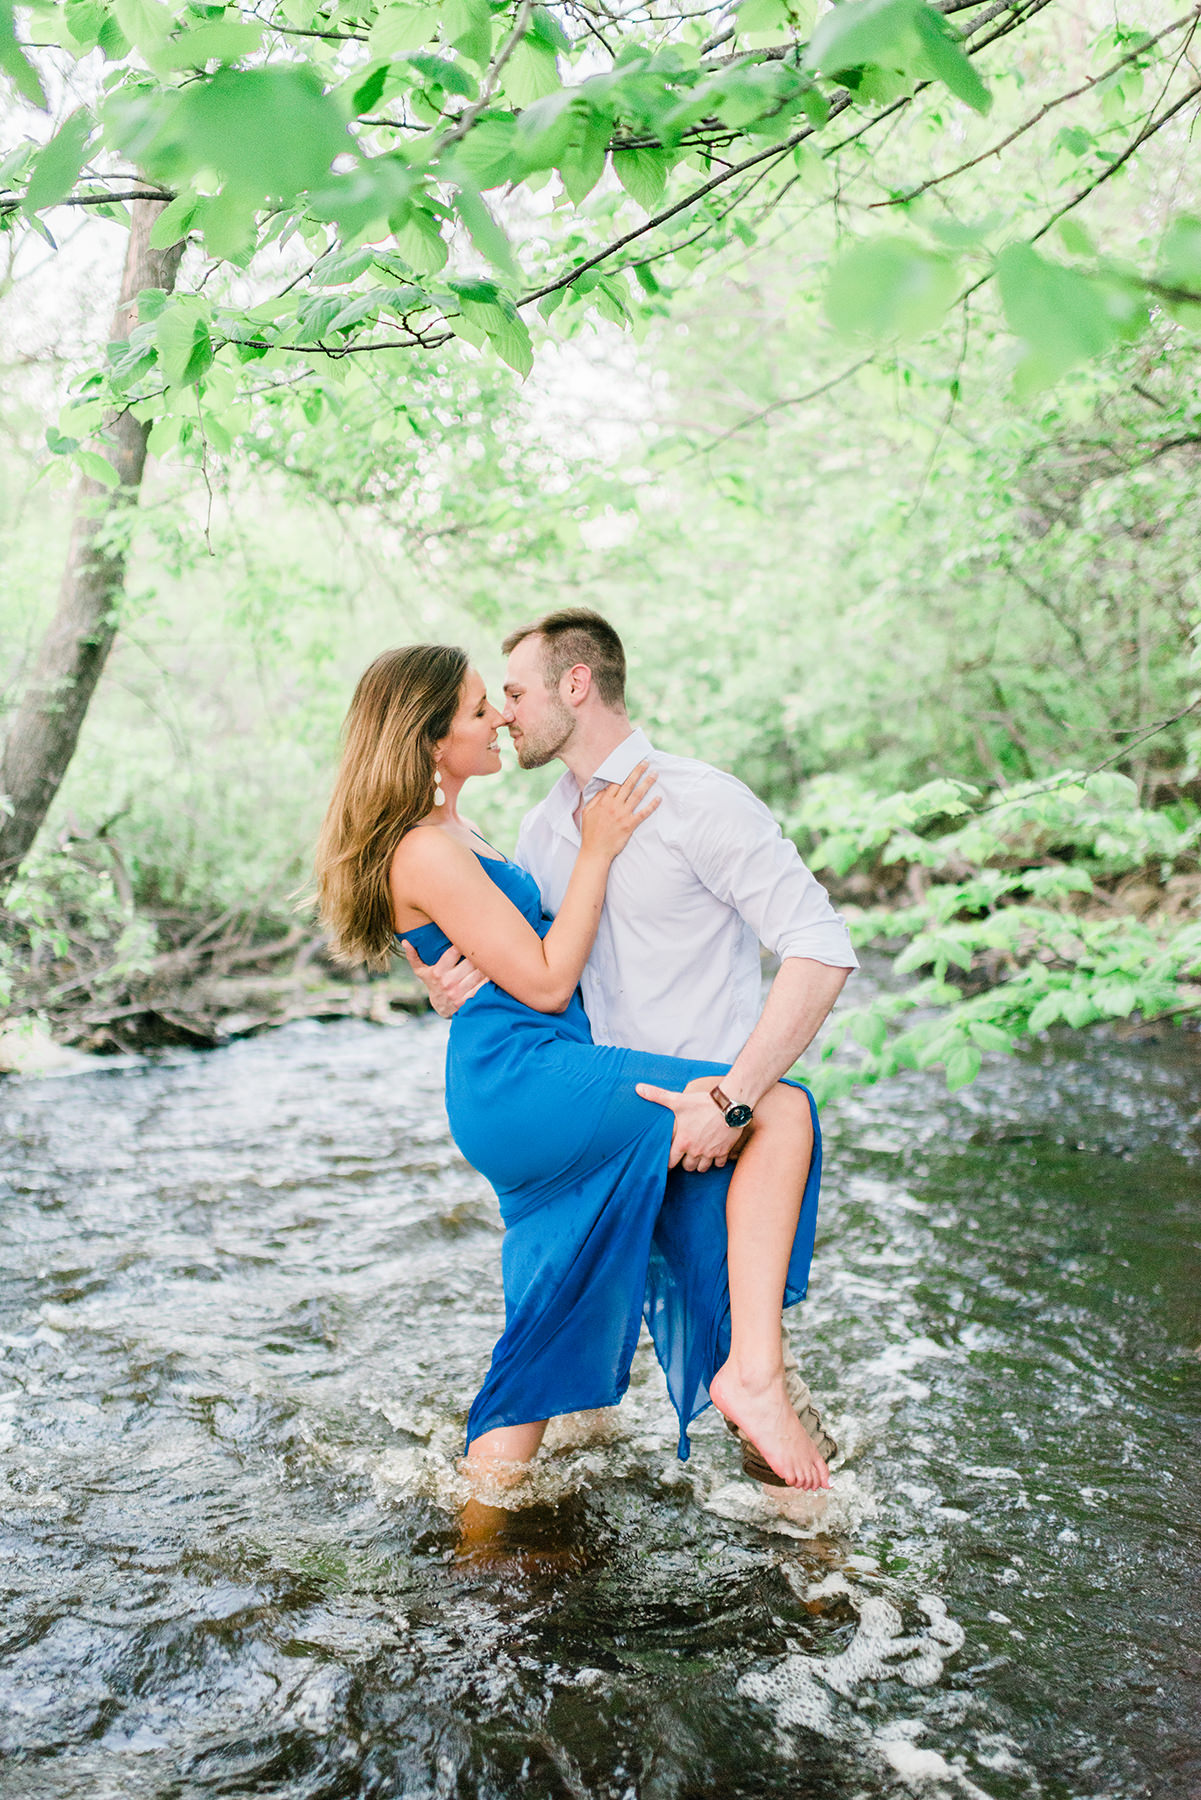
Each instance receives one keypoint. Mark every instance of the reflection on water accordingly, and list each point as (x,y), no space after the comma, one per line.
(248,1297)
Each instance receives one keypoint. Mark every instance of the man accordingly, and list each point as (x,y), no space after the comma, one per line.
(706,879)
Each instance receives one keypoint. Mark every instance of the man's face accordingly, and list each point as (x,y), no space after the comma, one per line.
(539,721)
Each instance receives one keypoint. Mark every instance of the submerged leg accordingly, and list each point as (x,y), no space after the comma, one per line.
(504,1444)
(762,1210)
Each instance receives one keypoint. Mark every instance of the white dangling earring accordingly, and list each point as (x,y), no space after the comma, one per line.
(439,796)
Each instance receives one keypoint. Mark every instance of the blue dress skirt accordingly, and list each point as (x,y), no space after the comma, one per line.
(599,1233)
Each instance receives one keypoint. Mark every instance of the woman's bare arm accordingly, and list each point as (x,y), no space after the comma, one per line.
(433,874)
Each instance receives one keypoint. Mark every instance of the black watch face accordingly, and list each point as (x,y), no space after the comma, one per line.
(738,1116)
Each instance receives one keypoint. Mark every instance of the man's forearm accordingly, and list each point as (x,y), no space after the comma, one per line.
(797,1007)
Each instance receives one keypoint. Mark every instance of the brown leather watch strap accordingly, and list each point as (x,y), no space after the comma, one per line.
(720,1100)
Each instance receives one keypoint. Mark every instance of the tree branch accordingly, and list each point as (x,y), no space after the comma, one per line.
(143,193)
(470,114)
(1036,118)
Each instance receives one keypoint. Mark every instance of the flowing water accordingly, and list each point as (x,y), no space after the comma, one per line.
(247,1297)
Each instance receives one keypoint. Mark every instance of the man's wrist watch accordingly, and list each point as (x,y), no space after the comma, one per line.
(737,1115)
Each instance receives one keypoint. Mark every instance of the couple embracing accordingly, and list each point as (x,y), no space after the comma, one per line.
(611,1067)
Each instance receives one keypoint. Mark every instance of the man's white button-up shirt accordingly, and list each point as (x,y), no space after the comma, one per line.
(702,882)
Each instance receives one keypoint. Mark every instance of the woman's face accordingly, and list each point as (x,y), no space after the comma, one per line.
(470,747)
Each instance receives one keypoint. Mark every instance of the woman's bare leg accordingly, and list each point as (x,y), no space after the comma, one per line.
(506,1444)
(495,1459)
(762,1210)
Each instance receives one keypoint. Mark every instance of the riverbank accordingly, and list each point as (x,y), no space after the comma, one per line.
(198,996)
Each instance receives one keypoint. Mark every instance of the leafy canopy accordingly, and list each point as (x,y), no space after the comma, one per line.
(408,148)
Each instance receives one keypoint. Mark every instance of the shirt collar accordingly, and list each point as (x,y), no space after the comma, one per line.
(626,757)
(560,804)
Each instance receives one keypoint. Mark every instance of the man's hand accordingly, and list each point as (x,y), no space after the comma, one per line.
(450,981)
(701,1139)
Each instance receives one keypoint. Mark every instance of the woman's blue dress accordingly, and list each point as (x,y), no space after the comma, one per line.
(599,1233)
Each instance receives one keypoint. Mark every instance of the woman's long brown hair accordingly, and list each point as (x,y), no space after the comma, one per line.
(404,704)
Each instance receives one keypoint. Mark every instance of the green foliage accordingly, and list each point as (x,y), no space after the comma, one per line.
(380,124)
(838,587)
(15,62)
(1014,909)
(887,288)
(907,38)
(1063,317)
(55,169)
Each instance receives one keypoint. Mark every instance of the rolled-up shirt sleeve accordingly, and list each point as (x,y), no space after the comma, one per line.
(738,850)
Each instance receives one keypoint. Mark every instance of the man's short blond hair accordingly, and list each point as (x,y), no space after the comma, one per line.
(576,634)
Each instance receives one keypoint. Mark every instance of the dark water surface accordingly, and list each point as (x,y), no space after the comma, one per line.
(247,1298)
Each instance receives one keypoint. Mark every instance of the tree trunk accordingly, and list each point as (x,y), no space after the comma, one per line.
(41,740)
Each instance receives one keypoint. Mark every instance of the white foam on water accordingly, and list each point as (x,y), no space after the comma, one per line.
(825,1589)
(917,1767)
(837,1510)
(825,1694)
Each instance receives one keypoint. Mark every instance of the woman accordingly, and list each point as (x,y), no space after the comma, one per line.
(579,1163)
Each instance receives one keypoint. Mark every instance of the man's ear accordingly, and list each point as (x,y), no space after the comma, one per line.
(576,684)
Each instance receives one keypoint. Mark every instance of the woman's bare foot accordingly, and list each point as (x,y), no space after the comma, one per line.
(762,1410)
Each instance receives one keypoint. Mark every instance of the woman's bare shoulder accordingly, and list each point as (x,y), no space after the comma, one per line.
(429,847)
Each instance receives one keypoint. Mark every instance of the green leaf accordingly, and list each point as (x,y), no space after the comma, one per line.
(544,130)
(342,266)
(483,307)
(98,468)
(144,22)
(907,36)
(1063,316)
(152,303)
(354,311)
(228,223)
(365,89)
(185,349)
(486,155)
(440,72)
(401,28)
(942,46)
(1075,238)
(762,15)
(15,63)
(486,234)
(869,1029)
(531,73)
(268,132)
(583,162)
(888,288)
(859,32)
(420,241)
(1049,1008)
(175,220)
(467,24)
(56,168)
(1078,1009)
(989,1037)
(1117,999)
(963,1066)
(643,174)
(362,199)
(610,303)
(223,40)
(545,29)
(1180,267)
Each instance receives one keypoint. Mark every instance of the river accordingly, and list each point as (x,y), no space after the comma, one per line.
(247,1297)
